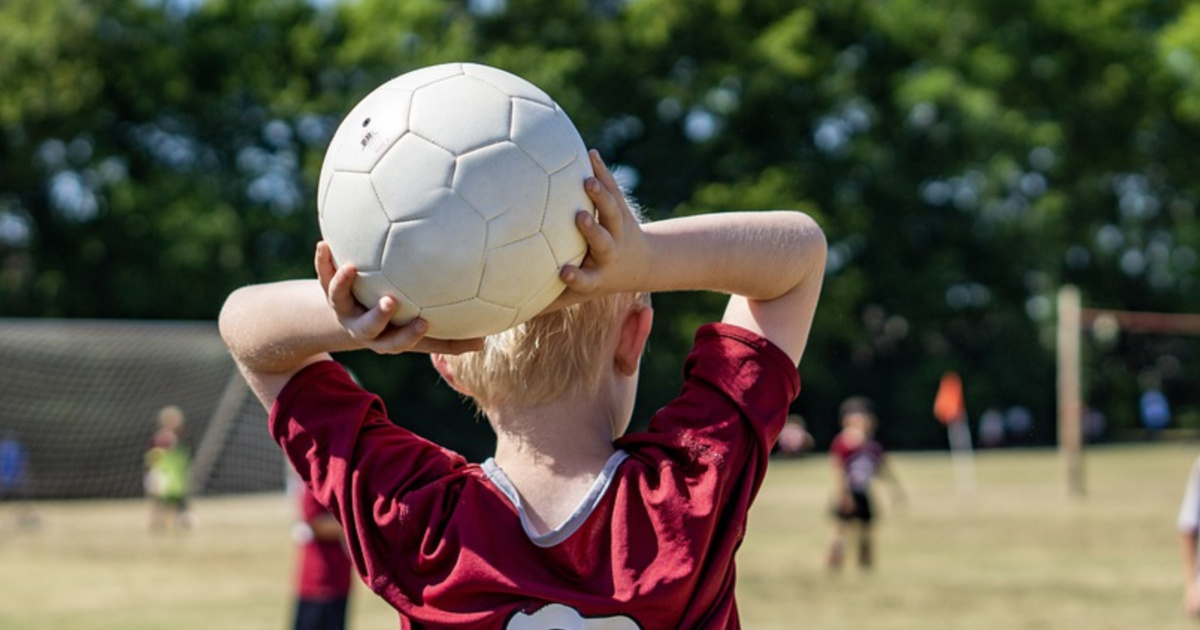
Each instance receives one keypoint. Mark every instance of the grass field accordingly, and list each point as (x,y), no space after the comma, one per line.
(1020,555)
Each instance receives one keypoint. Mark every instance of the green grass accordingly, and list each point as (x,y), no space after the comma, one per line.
(1020,555)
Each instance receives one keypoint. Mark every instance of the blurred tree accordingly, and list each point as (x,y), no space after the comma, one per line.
(159,166)
(965,159)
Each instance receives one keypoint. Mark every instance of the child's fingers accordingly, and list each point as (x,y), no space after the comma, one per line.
(411,338)
(602,173)
(580,280)
(370,325)
(398,339)
(608,196)
(339,292)
(600,241)
(323,263)
(608,205)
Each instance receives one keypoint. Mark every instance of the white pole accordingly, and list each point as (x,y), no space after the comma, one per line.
(963,456)
(217,433)
(1070,407)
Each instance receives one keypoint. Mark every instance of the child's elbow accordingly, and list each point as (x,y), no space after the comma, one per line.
(231,321)
(809,242)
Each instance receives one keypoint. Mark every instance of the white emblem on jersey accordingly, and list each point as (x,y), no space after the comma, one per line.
(559,617)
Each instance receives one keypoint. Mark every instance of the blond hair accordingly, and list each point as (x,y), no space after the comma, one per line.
(556,354)
(171,417)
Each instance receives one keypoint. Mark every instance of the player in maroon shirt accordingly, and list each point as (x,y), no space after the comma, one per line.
(572,523)
(857,459)
(323,568)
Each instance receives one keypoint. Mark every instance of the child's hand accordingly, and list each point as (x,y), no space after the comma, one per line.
(618,253)
(373,327)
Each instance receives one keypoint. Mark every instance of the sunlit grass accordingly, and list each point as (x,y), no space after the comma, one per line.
(1019,554)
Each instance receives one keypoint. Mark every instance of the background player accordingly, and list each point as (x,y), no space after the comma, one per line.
(323,569)
(857,459)
(167,468)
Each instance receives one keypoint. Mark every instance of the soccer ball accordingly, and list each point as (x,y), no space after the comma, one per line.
(454,189)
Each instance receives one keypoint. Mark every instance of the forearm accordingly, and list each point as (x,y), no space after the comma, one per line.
(278,327)
(840,487)
(771,263)
(758,255)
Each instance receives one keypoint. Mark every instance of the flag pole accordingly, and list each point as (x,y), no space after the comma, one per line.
(950,408)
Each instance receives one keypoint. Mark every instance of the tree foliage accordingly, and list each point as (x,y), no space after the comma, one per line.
(965,160)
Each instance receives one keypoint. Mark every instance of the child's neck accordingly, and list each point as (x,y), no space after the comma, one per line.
(552,455)
(557,440)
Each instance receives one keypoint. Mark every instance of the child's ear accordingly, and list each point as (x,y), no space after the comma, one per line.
(635,330)
(443,368)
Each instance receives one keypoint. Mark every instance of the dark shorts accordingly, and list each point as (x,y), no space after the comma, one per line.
(859,510)
(327,614)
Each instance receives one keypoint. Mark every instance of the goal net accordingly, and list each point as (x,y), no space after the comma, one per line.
(82,397)
(1073,320)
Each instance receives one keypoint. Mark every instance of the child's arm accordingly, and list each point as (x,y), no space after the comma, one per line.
(273,330)
(843,502)
(888,474)
(772,263)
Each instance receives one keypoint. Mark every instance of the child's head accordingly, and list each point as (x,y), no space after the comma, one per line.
(171,418)
(858,413)
(556,354)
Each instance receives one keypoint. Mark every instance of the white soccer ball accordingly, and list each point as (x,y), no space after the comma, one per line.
(454,189)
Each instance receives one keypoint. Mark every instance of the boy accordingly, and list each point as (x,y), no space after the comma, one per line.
(564,527)
(167,464)
(856,458)
(323,569)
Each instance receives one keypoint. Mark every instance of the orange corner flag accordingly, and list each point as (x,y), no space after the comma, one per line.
(949,405)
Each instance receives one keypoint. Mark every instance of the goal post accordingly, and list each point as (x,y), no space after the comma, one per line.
(1070,396)
(216,435)
(1073,320)
(82,397)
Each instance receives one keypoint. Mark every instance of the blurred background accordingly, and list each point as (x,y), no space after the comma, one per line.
(966,160)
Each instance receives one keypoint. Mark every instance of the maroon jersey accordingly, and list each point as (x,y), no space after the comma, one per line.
(324,570)
(446,544)
(860,460)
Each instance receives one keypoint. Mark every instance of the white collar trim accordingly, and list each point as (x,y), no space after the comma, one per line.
(578,515)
